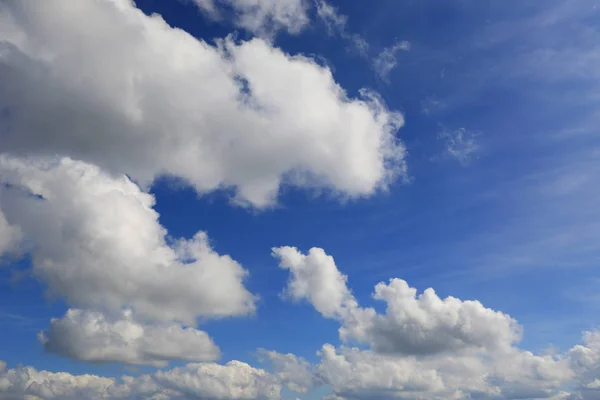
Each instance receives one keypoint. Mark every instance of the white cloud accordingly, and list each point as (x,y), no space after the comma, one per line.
(412,324)
(92,336)
(426,324)
(386,61)
(316,278)
(235,380)
(292,371)
(363,374)
(261,17)
(97,241)
(104,83)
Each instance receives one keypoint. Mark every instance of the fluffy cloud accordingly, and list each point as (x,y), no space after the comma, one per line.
(92,336)
(421,347)
(363,374)
(97,241)
(292,371)
(426,324)
(236,380)
(316,278)
(261,17)
(102,82)
(585,361)
(423,324)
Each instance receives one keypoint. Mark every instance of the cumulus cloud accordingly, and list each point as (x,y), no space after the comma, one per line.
(261,17)
(411,324)
(315,277)
(97,241)
(92,336)
(294,372)
(424,324)
(386,61)
(235,380)
(104,83)
(364,374)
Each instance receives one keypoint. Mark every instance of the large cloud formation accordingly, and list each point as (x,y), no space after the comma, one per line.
(412,324)
(99,99)
(424,347)
(97,241)
(102,82)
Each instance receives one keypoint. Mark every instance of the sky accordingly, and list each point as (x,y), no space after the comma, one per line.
(298,199)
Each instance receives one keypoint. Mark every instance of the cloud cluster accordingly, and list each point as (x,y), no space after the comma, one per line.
(100,100)
(95,240)
(364,374)
(424,347)
(133,95)
(235,380)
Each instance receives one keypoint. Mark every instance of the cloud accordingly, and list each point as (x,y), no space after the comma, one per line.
(292,371)
(261,17)
(331,17)
(135,96)
(235,380)
(363,374)
(460,144)
(335,22)
(10,235)
(316,278)
(97,241)
(92,336)
(411,324)
(386,61)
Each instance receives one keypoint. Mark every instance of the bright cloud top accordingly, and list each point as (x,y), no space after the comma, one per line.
(412,324)
(236,380)
(133,95)
(92,336)
(97,241)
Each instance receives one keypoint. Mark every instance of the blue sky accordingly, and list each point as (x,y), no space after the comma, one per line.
(498,201)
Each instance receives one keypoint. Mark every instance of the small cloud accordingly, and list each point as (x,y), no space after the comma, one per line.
(336,25)
(386,61)
(330,16)
(460,144)
(432,105)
